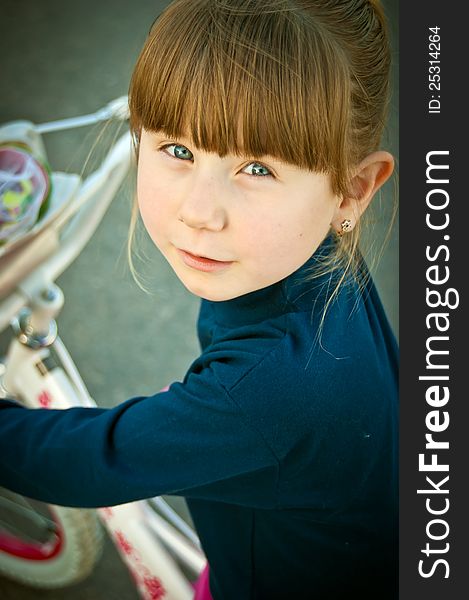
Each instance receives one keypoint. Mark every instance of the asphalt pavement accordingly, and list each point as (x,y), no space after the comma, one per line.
(63,58)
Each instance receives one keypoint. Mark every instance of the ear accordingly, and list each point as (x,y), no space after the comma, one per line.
(368,177)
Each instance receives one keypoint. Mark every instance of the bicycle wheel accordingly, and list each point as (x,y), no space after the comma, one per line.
(47,546)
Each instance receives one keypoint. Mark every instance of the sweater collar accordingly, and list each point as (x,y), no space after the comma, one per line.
(287,295)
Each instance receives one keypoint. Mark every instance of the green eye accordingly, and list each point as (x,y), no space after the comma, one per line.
(179,151)
(258,170)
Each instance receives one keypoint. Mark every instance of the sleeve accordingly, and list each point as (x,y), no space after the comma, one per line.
(192,436)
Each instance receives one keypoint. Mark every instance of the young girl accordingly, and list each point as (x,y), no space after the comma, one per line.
(257,128)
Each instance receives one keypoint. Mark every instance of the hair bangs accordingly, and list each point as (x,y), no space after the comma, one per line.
(243,81)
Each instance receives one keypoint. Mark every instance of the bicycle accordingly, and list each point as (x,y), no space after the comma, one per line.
(54,546)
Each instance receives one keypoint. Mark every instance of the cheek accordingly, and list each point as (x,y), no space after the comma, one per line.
(151,201)
(316,219)
(294,236)
(143,189)
(147,208)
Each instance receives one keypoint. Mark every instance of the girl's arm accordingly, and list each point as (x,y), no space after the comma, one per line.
(191,436)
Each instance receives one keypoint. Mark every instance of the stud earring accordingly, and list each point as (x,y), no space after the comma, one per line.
(345,226)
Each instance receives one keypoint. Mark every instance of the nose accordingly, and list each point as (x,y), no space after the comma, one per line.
(201,206)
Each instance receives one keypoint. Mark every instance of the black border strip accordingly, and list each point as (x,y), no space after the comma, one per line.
(433,271)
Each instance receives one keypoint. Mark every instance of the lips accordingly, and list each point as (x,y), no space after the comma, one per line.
(202,263)
(204,257)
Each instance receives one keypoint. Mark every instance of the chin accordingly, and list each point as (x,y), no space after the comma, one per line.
(220,295)
(213,296)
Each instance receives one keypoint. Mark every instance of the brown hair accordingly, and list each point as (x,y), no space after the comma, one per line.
(305,81)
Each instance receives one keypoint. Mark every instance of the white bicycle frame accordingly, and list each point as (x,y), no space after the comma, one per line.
(149,544)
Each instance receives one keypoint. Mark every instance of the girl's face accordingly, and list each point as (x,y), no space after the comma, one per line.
(257,221)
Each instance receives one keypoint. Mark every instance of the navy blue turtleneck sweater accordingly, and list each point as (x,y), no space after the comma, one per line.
(285,445)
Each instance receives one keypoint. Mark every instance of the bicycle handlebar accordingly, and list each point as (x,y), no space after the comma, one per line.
(116,109)
(88,214)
